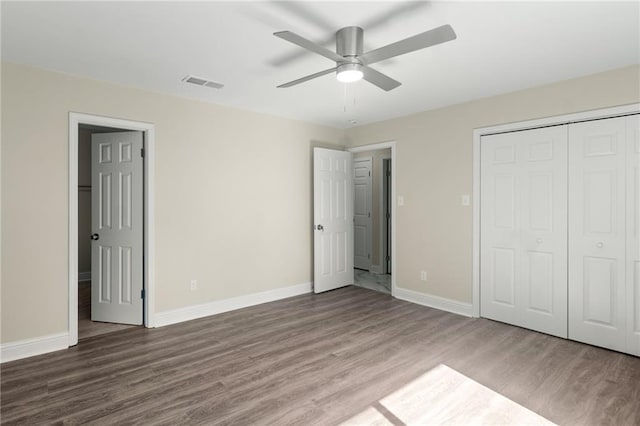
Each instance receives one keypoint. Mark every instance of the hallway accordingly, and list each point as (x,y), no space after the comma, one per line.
(371,281)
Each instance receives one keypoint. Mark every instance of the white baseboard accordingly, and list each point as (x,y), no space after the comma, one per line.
(437,302)
(35,346)
(54,342)
(175,316)
(84,276)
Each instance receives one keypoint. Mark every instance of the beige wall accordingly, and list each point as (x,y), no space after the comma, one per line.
(233,188)
(434,167)
(1,207)
(376,188)
(233,195)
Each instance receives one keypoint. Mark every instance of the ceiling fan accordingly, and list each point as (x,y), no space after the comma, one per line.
(352,64)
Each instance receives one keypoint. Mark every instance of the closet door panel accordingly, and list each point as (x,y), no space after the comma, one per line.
(633,234)
(543,278)
(499,228)
(523,229)
(597,287)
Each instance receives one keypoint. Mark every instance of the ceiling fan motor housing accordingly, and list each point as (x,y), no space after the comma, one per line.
(349,43)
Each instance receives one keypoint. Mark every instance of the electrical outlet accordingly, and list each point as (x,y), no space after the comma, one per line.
(400,200)
(194,285)
(423,275)
(466,200)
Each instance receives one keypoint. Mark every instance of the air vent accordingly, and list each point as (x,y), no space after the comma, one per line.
(203,82)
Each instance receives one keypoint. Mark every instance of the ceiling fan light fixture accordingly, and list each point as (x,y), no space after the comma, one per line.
(351,62)
(349,73)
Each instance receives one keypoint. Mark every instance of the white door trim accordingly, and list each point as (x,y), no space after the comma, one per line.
(75,119)
(382,208)
(510,127)
(394,167)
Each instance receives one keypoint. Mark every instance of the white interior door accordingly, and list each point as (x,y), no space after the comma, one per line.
(633,234)
(333,218)
(116,222)
(523,272)
(597,214)
(362,206)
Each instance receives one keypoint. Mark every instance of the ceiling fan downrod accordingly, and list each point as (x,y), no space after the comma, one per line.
(349,45)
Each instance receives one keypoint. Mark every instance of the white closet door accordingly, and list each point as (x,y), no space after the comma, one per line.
(597,286)
(543,238)
(633,234)
(499,228)
(523,229)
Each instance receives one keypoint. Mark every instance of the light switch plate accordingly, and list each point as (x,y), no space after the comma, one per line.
(400,200)
(466,200)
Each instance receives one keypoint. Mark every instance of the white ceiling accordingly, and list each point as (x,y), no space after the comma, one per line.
(501,47)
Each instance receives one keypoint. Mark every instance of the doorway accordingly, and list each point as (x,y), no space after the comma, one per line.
(93,285)
(372,177)
(82,183)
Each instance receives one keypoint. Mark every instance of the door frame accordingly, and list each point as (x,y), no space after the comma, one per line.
(385,204)
(595,114)
(75,120)
(394,167)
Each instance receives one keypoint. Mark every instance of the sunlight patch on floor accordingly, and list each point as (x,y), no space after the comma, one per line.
(444,396)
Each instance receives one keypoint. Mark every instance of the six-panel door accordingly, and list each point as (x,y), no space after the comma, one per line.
(523,229)
(362,204)
(116,250)
(597,232)
(333,217)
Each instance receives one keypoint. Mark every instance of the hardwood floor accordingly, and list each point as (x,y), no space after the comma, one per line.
(351,355)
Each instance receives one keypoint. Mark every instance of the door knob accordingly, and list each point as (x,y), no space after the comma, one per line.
(320,228)
(95,237)
(599,244)
(539,240)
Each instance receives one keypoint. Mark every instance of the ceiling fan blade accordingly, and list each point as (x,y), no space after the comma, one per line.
(378,79)
(307,78)
(428,38)
(309,45)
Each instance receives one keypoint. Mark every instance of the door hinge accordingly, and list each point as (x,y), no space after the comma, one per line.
(388,258)
(369,214)
(142,294)
(369,173)
(142,152)
(368,256)
(388,215)
(389,173)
